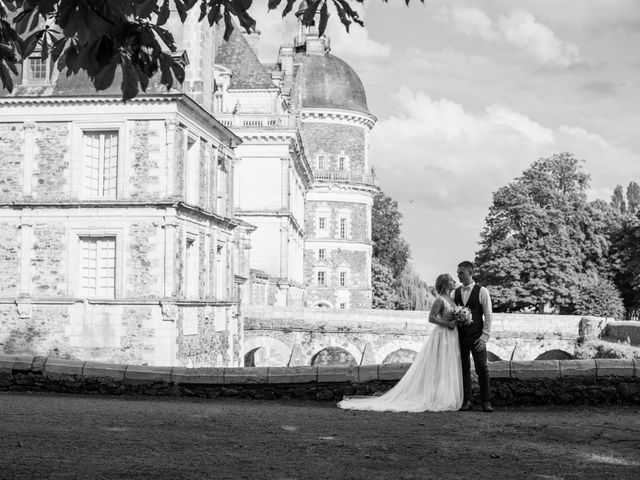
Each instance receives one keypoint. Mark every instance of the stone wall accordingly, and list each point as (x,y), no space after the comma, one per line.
(145,260)
(51,161)
(48,260)
(333,140)
(371,336)
(11,155)
(147,146)
(142,334)
(623,332)
(573,382)
(357,224)
(10,239)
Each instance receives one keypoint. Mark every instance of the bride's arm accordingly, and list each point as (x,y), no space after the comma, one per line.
(435,315)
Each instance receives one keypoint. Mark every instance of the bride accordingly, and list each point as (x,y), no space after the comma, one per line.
(434,380)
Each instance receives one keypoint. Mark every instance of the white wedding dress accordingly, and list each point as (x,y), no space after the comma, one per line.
(432,383)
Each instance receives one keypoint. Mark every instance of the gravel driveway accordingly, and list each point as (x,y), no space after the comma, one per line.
(91,437)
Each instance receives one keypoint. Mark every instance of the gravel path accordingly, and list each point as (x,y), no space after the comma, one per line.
(86,437)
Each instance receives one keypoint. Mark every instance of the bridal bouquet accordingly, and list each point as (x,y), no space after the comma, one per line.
(462,316)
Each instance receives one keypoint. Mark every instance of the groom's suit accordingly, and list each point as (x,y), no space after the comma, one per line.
(481,314)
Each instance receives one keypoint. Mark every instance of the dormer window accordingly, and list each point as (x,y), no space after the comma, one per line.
(36,70)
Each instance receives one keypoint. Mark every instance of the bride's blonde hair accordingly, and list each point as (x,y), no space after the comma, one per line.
(442,283)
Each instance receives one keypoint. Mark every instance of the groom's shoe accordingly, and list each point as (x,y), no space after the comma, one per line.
(466,406)
(486,407)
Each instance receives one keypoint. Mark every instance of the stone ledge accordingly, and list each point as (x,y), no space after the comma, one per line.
(613,367)
(535,369)
(203,376)
(242,375)
(578,368)
(104,370)
(136,374)
(292,375)
(59,366)
(145,374)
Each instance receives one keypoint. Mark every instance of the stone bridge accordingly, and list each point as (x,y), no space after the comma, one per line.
(284,336)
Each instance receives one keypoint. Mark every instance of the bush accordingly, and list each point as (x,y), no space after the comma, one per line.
(600,298)
(602,349)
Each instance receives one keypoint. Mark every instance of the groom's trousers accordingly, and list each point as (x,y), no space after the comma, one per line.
(482,370)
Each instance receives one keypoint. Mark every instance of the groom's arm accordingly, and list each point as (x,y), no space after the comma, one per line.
(487,309)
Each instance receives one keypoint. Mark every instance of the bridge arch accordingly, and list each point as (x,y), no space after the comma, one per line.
(492,357)
(265,352)
(555,354)
(401,355)
(322,304)
(389,348)
(333,356)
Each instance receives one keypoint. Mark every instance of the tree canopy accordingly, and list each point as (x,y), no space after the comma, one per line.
(543,240)
(100,36)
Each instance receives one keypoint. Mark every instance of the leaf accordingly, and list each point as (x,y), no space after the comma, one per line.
(146,7)
(105,76)
(129,85)
(182,10)
(163,14)
(324,18)
(5,77)
(228,25)
(288,7)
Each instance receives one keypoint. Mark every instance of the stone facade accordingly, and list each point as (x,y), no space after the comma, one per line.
(167,255)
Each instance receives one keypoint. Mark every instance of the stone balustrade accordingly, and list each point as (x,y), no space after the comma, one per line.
(530,382)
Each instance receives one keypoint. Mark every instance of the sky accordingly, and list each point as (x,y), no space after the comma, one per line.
(468,93)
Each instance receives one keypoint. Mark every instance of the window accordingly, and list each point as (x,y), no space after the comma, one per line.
(193,171)
(322,223)
(37,68)
(343,306)
(321,279)
(100,168)
(98,267)
(192,270)
(221,271)
(341,163)
(343,228)
(322,254)
(343,279)
(217,102)
(321,164)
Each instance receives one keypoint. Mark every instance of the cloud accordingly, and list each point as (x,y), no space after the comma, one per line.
(357,43)
(601,87)
(519,29)
(442,161)
(276,31)
(470,21)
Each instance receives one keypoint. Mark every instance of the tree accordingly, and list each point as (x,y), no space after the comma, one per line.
(388,245)
(413,293)
(617,200)
(383,295)
(542,239)
(633,198)
(600,298)
(626,256)
(100,36)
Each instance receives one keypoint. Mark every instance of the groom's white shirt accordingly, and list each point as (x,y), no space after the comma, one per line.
(485,301)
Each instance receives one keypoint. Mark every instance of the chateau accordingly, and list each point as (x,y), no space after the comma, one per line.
(137,232)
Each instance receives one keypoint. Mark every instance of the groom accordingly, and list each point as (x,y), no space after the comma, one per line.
(474,338)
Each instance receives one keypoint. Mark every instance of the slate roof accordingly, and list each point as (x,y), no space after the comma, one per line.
(326,81)
(237,55)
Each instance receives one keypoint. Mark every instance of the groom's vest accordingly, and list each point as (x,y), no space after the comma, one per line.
(475,329)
